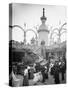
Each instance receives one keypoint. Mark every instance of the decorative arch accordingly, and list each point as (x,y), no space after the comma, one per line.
(17,26)
(59,33)
(32,31)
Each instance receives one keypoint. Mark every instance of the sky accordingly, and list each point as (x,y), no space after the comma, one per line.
(30,14)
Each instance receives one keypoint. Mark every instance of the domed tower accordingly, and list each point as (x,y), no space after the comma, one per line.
(43,30)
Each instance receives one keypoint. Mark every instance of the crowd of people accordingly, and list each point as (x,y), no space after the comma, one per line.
(38,73)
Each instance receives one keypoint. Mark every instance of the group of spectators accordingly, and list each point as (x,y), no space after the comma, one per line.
(34,72)
(57,69)
(54,69)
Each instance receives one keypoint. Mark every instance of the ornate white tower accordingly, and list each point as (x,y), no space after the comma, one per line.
(43,30)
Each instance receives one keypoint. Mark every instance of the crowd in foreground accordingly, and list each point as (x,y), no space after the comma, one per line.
(38,73)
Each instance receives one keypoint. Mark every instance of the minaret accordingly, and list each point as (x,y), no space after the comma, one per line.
(43,30)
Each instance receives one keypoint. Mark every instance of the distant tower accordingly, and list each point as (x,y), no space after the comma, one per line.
(43,30)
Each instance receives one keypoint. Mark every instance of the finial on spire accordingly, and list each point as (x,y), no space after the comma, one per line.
(43,17)
(43,12)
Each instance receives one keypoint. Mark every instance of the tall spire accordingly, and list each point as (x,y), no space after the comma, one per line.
(43,12)
(43,18)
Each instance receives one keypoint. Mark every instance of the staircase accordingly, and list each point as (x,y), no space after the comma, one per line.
(37,51)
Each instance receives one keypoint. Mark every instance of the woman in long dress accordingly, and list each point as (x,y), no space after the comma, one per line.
(25,80)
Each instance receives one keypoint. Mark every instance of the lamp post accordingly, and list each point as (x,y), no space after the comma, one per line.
(36,27)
